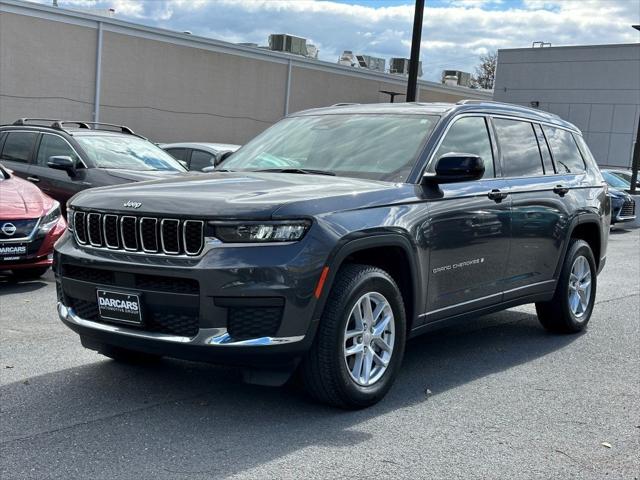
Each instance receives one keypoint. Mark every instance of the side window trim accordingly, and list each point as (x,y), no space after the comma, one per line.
(455,119)
(537,128)
(39,142)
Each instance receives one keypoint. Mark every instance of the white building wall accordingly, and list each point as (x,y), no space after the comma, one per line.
(595,87)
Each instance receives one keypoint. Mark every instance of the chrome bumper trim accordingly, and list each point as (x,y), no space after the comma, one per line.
(207,337)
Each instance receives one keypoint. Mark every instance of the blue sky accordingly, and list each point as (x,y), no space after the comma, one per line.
(455,32)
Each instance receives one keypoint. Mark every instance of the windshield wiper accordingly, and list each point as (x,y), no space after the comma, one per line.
(308,171)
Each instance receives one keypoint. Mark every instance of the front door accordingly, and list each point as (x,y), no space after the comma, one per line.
(58,184)
(469,235)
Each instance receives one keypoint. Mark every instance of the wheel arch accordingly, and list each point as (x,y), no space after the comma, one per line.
(588,228)
(392,252)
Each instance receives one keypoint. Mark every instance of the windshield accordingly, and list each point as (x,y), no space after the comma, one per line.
(127,152)
(373,146)
(615,182)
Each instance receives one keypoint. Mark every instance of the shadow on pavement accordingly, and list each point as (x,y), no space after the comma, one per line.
(180,419)
(9,284)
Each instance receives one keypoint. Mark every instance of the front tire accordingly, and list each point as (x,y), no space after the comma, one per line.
(570,308)
(360,341)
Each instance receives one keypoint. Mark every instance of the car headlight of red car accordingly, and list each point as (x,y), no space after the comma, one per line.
(50,219)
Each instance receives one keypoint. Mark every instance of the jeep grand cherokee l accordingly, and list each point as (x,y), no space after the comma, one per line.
(328,240)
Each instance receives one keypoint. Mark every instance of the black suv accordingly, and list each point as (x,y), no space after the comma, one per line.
(64,157)
(335,235)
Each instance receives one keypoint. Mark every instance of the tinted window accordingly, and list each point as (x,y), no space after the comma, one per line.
(519,148)
(374,146)
(468,135)
(178,153)
(51,146)
(17,146)
(200,159)
(544,150)
(564,150)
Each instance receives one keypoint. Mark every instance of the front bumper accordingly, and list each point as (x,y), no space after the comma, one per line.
(223,282)
(623,210)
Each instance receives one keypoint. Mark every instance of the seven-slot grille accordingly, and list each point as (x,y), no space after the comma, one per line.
(170,236)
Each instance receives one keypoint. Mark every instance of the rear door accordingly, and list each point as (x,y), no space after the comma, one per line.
(17,151)
(57,183)
(470,228)
(540,207)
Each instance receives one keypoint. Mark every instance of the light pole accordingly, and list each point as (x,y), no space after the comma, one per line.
(635,165)
(412,85)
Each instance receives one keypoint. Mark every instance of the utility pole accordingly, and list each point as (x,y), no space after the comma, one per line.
(635,165)
(412,85)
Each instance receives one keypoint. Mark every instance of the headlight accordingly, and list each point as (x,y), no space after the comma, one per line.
(70,219)
(261,232)
(50,219)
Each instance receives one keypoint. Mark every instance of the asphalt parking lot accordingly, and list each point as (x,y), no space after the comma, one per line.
(495,398)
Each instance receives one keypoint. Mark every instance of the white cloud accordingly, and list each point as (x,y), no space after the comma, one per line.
(455,32)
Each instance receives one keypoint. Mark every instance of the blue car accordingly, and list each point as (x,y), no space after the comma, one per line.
(623,207)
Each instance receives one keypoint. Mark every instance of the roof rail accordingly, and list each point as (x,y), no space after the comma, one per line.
(59,124)
(511,105)
(123,128)
(24,121)
(468,101)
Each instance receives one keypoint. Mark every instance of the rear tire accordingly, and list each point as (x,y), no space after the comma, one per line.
(570,308)
(29,273)
(331,372)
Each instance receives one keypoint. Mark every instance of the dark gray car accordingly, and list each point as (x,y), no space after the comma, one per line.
(64,158)
(331,238)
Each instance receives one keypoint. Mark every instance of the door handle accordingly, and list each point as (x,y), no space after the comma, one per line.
(496,195)
(33,179)
(560,190)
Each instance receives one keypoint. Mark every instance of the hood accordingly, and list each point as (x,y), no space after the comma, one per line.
(236,194)
(20,199)
(142,175)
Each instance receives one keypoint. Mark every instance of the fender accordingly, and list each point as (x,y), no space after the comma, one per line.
(581,219)
(340,253)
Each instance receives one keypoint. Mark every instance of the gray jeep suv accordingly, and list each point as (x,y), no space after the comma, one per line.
(326,242)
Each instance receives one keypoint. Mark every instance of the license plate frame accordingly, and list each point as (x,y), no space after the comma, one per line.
(118,306)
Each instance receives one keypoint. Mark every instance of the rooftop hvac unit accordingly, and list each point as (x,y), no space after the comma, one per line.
(400,66)
(282,42)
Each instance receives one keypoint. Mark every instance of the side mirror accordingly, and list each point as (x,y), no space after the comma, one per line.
(63,162)
(221,157)
(456,167)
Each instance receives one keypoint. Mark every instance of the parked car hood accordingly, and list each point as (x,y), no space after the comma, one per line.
(236,194)
(142,175)
(20,199)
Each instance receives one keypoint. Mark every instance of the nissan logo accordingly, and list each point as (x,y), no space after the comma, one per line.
(9,229)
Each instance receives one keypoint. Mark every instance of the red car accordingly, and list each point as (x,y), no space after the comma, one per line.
(30,223)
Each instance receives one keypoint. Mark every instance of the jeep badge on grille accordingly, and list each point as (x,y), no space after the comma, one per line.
(130,204)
